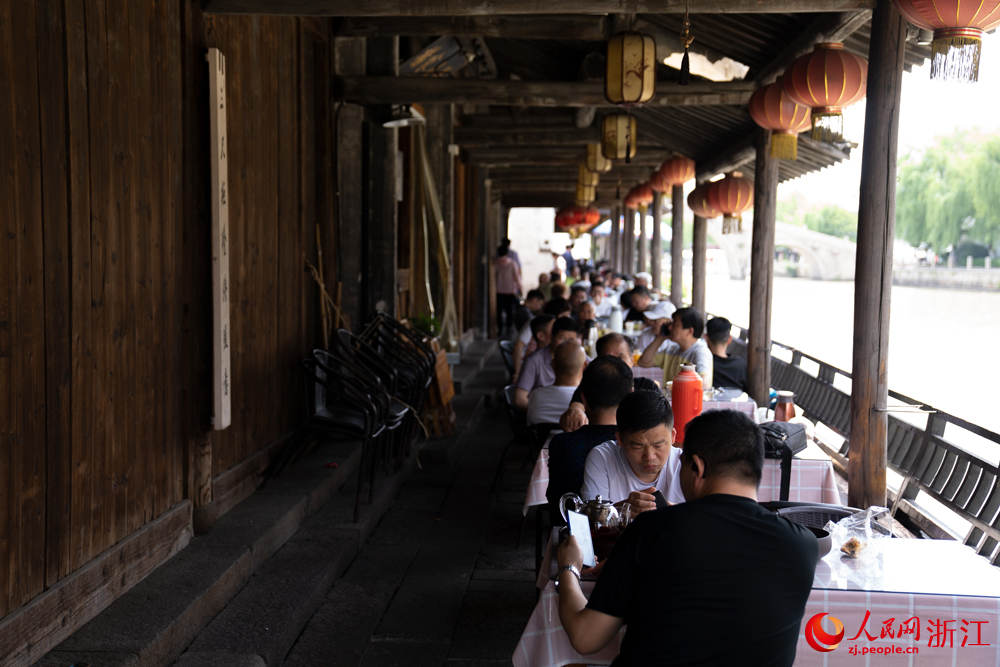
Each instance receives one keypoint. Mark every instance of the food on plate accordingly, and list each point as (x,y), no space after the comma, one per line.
(852,547)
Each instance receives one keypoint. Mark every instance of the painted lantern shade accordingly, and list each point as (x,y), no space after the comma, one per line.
(630,75)
(618,137)
(772,109)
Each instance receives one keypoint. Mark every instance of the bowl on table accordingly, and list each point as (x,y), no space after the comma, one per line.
(823,540)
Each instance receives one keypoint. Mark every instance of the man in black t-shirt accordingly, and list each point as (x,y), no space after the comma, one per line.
(606,381)
(726,371)
(717,580)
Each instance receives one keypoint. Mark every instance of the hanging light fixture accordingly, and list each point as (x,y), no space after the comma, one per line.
(630,74)
(596,161)
(827,80)
(732,196)
(677,170)
(587,177)
(585,194)
(772,109)
(958,33)
(698,202)
(618,137)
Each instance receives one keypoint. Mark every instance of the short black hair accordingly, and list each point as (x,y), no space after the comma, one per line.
(505,242)
(640,383)
(565,324)
(503,250)
(718,329)
(728,442)
(643,410)
(556,306)
(607,340)
(577,288)
(606,381)
(538,322)
(641,290)
(691,319)
(596,283)
(558,290)
(534,294)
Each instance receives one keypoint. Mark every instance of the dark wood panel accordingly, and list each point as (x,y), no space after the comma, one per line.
(52,114)
(27,468)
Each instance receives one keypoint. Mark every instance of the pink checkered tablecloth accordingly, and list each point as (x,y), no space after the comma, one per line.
(813,480)
(939,586)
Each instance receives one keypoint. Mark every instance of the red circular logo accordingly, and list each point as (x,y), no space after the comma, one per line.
(820,639)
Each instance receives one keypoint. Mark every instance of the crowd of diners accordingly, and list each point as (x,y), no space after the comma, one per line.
(703,574)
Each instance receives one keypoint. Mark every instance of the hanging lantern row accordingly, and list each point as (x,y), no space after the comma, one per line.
(958,33)
(585,194)
(677,170)
(596,162)
(826,80)
(618,137)
(630,74)
(773,109)
(587,177)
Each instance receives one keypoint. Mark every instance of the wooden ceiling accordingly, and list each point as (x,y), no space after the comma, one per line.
(541,101)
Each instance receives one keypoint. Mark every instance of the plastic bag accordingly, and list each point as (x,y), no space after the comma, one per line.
(854,534)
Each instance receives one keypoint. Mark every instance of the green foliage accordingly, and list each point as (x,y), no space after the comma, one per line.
(950,192)
(834,221)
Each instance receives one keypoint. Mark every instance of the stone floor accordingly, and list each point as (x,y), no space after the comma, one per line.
(443,580)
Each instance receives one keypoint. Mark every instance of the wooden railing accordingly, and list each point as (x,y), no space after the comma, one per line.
(938,457)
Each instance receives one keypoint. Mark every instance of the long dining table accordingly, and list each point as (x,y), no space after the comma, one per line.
(905,602)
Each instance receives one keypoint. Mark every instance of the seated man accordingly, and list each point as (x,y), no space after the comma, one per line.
(602,304)
(546,404)
(641,461)
(577,297)
(606,381)
(532,306)
(726,371)
(685,346)
(537,370)
(639,299)
(656,316)
(681,573)
(608,345)
(525,344)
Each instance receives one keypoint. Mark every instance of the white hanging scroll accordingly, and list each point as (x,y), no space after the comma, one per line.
(221,377)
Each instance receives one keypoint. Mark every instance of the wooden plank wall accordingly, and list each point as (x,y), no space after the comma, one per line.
(104,302)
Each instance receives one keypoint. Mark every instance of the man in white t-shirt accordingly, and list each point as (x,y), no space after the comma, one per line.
(656,316)
(641,461)
(602,304)
(546,404)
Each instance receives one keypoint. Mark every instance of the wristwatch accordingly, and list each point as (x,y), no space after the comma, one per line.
(570,568)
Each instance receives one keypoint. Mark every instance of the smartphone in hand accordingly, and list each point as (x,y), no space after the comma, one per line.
(579,527)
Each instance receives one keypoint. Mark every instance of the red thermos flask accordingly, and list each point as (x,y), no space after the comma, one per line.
(685,399)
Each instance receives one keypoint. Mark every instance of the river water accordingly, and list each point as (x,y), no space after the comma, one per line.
(940,340)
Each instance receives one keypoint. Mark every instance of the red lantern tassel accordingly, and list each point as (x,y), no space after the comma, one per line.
(784,146)
(955,54)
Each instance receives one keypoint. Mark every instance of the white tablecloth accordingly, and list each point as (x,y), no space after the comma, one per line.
(940,582)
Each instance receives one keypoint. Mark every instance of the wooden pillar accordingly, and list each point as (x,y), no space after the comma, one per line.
(873,272)
(614,236)
(699,262)
(349,59)
(656,250)
(677,246)
(765,195)
(379,271)
(643,263)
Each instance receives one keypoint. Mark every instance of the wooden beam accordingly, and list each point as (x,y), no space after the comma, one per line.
(866,463)
(835,28)
(762,270)
(643,263)
(677,245)
(549,136)
(614,237)
(628,245)
(407,90)
(529,7)
(736,157)
(582,28)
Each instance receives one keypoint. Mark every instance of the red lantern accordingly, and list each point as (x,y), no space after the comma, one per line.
(678,170)
(827,80)
(699,204)
(591,217)
(773,109)
(658,183)
(958,33)
(732,195)
(644,195)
